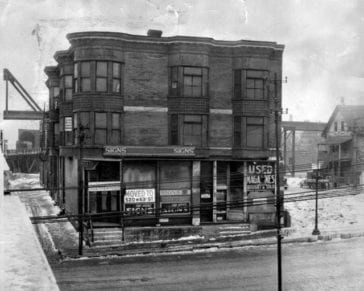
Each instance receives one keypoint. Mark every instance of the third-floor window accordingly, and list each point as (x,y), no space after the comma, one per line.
(188,81)
(250,84)
(98,76)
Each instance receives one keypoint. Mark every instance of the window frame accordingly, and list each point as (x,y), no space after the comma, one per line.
(99,128)
(237,131)
(109,77)
(187,123)
(114,130)
(199,81)
(251,122)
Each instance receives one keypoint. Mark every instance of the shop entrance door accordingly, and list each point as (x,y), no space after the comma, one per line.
(104,198)
(206,197)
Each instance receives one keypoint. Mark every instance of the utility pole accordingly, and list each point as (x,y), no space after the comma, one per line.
(81,136)
(277,111)
(316,230)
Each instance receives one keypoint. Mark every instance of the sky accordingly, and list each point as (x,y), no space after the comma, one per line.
(323,57)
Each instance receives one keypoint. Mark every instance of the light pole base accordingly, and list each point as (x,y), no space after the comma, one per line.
(316,232)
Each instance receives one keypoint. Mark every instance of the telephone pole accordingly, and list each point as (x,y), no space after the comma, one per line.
(277,112)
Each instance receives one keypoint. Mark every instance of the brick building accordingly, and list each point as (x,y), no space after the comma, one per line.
(182,123)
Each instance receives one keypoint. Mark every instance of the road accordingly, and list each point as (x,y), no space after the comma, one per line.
(333,265)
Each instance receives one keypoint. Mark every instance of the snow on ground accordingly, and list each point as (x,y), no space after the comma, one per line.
(53,236)
(334,214)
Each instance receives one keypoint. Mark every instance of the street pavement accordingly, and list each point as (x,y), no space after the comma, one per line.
(334,265)
(23,264)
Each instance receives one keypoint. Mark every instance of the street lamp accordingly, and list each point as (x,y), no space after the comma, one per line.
(316,230)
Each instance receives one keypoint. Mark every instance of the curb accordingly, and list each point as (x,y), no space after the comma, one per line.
(156,248)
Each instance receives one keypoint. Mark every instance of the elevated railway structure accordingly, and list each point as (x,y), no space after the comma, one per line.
(299,154)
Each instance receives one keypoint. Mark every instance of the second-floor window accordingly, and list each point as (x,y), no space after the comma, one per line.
(115,128)
(192,130)
(100,128)
(188,81)
(98,76)
(255,132)
(237,131)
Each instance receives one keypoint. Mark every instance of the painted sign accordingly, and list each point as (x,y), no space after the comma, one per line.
(260,176)
(133,196)
(104,186)
(148,151)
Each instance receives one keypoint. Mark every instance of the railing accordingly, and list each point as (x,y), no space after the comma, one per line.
(22,152)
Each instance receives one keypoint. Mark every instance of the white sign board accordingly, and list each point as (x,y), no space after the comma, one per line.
(104,186)
(139,196)
(68,124)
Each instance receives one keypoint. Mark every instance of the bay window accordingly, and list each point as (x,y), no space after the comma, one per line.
(97,76)
(188,81)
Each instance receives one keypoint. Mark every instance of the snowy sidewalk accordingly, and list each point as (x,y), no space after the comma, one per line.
(23,264)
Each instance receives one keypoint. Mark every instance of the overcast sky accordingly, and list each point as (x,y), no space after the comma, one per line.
(323,57)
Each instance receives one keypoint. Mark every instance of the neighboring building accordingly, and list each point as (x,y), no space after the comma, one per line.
(342,152)
(28,139)
(181,122)
(300,142)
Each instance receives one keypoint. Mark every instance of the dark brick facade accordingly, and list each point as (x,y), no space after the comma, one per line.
(150,91)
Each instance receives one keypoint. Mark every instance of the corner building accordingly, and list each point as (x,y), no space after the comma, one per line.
(183,124)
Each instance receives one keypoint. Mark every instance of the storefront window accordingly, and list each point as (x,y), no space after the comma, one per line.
(139,179)
(175,187)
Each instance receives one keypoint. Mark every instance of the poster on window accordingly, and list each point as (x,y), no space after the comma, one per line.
(261,176)
(139,196)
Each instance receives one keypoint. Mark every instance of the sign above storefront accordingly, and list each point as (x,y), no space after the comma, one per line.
(104,186)
(140,151)
(261,176)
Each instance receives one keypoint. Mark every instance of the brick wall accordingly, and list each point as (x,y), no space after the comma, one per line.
(146,128)
(221,82)
(220,130)
(146,79)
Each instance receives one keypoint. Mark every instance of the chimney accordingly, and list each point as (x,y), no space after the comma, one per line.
(154,33)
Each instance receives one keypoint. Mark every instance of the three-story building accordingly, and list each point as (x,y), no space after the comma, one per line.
(179,129)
